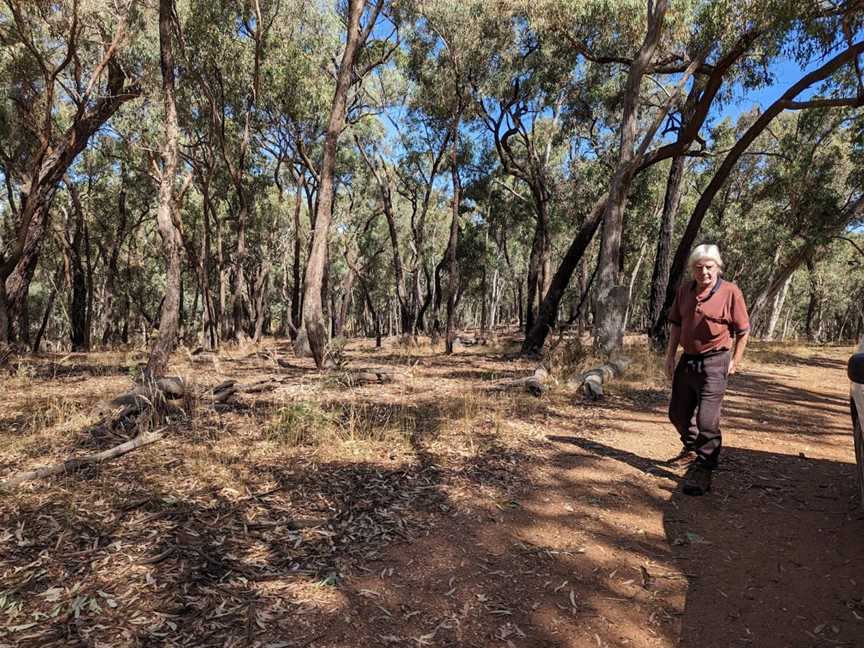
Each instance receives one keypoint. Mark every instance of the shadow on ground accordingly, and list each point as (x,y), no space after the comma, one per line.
(772,556)
(566,540)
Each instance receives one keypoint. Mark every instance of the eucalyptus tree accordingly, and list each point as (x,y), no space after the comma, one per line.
(385,180)
(63,68)
(794,192)
(226,49)
(355,63)
(520,101)
(715,42)
(166,217)
(295,102)
(423,157)
(446,56)
(822,34)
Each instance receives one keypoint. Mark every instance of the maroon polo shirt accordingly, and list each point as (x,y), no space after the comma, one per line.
(709,323)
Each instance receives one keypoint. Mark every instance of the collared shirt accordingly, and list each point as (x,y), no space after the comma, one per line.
(708,323)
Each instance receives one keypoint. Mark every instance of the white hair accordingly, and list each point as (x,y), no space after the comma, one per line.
(706,251)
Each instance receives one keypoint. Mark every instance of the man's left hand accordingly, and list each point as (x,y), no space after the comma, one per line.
(731,368)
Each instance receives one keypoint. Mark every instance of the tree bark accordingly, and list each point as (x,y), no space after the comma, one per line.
(296,297)
(79,333)
(663,256)
(452,272)
(340,315)
(17,283)
(165,216)
(611,296)
(549,308)
(777,308)
(106,325)
(813,303)
(262,294)
(313,316)
(534,292)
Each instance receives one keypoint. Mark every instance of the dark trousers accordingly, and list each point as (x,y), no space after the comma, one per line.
(694,409)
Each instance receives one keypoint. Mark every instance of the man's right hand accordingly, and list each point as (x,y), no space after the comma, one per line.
(670,366)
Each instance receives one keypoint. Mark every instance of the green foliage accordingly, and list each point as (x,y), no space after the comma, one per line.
(254,93)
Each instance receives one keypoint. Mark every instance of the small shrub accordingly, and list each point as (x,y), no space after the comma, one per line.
(334,354)
(567,358)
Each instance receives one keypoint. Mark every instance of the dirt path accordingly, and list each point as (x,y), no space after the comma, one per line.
(486,521)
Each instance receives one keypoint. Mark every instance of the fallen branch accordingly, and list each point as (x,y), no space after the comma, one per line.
(369,377)
(592,381)
(259,387)
(223,391)
(535,384)
(77,463)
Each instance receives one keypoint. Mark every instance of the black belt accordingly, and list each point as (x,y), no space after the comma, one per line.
(695,362)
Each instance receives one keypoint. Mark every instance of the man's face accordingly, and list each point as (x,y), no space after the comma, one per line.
(705,273)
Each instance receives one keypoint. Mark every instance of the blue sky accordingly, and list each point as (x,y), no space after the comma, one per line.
(786,72)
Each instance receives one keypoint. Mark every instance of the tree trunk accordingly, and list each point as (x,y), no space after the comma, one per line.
(549,308)
(237,293)
(777,308)
(169,231)
(79,333)
(262,294)
(313,316)
(46,315)
(632,284)
(452,277)
(533,278)
(111,256)
(341,315)
(813,303)
(611,296)
(663,257)
(484,303)
(18,281)
(210,317)
(296,297)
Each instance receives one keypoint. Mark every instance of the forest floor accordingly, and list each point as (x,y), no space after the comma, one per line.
(430,511)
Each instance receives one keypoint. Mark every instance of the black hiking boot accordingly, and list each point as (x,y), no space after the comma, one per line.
(697,481)
(683,458)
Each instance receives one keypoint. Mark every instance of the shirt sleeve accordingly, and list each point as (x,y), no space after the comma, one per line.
(674,316)
(740,318)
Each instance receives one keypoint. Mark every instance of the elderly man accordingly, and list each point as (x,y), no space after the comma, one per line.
(709,319)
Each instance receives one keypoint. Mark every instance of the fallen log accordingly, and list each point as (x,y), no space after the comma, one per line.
(257,388)
(369,377)
(535,384)
(224,391)
(223,396)
(592,381)
(77,463)
(173,387)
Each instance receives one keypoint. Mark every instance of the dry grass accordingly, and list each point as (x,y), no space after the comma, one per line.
(254,514)
(321,445)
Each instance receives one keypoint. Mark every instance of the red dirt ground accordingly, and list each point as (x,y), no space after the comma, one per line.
(551,522)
